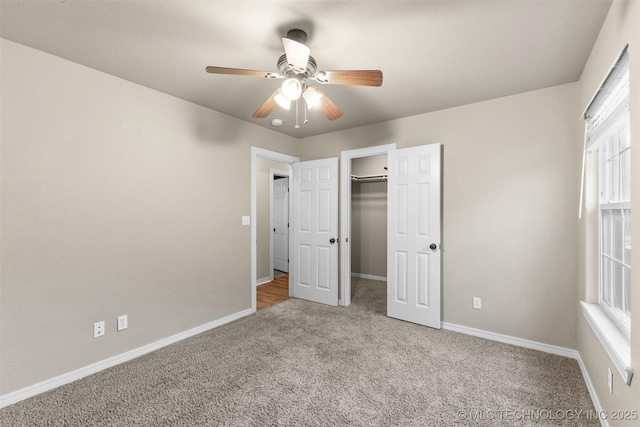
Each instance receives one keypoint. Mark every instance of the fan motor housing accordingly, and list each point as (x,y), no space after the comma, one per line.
(283,66)
(298,35)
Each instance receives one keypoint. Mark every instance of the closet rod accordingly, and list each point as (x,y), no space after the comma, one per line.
(368,178)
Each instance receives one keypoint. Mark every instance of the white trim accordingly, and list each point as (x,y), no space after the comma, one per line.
(60,380)
(507,339)
(535,345)
(263,281)
(269,155)
(592,392)
(369,276)
(345,213)
(613,340)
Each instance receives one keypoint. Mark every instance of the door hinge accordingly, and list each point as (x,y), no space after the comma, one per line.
(288,225)
(287,260)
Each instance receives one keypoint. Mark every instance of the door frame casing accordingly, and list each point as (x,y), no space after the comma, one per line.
(272,174)
(345,213)
(262,153)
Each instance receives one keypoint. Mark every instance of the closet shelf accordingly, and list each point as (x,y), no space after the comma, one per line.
(368,178)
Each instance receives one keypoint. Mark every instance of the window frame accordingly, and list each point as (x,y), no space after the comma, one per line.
(616,314)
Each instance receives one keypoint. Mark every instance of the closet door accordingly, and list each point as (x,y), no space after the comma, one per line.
(314,272)
(413,235)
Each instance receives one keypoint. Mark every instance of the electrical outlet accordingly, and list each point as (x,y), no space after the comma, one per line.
(477,303)
(98,329)
(610,380)
(123,322)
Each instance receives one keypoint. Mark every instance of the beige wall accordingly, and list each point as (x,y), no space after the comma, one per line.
(510,204)
(263,220)
(369,228)
(116,199)
(369,218)
(370,165)
(620,28)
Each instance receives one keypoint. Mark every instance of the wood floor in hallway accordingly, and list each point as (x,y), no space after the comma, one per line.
(273,292)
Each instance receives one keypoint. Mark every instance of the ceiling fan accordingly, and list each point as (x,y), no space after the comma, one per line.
(297,67)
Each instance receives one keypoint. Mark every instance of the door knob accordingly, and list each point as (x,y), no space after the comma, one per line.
(433,246)
(332,241)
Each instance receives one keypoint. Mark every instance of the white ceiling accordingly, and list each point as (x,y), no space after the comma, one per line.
(434,54)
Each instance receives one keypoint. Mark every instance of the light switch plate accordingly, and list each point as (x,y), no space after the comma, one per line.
(246,220)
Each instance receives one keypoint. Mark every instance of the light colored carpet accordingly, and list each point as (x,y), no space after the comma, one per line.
(300,363)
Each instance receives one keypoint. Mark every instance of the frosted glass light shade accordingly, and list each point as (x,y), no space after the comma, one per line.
(282,100)
(312,96)
(292,88)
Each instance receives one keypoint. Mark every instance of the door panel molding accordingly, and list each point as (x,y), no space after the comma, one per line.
(314,227)
(414,235)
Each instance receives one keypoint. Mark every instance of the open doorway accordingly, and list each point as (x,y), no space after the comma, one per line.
(349,253)
(262,163)
(272,219)
(413,231)
(369,217)
(279,221)
(369,232)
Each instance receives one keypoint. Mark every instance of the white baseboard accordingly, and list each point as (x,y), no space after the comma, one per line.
(32,390)
(534,345)
(507,339)
(369,277)
(592,392)
(264,280)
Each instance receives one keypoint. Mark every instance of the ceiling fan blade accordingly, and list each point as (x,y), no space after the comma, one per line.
(242,72)
(267,107)
(297,54)
(350,77)
(329,109)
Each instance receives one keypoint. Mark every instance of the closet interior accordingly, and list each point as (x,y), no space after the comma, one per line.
(369,217)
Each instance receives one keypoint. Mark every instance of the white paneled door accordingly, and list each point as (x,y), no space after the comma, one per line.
(314,269)
(413,235)
(281,224)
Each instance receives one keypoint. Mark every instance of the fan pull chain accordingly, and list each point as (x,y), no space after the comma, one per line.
(297,126)
(305,114)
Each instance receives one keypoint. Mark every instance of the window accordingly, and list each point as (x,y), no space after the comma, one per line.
(609,136)
(615,224)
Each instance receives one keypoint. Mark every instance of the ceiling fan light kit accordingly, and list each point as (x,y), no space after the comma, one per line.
(297,66)
(282,100)
(292,88)
(312,96)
